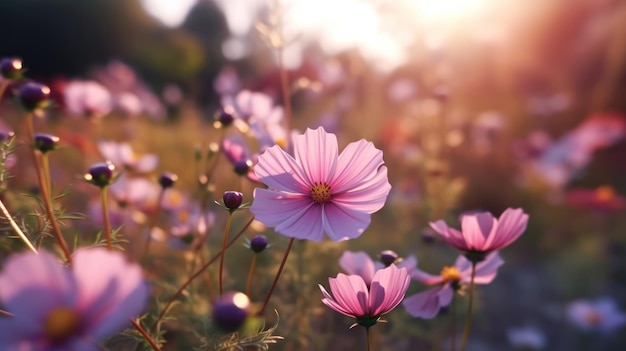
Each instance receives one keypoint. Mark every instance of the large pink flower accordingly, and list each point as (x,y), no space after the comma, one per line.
(55,308)
(482,233)
(352,297)
(426,304)
(317,190)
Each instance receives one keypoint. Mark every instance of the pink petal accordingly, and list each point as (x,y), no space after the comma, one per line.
(486,270)
(316,152)
(329,301)
(452,236)
(27,278)
(358,162)
(146,163)
(511,225)
(476,228)
(279,171)
(388,288)
(111,290)
(358,263)
(427,303)
(342,223)
(350,292)
(366,196)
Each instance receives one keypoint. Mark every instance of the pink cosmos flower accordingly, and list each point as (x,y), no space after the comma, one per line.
(55,308)
(318,190)
(426,304)
(87,98)
(482,233)
(123,156)
(353,298)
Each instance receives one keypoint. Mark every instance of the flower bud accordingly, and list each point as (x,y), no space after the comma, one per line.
(387,257)
(34,96)
(223,118)
(6,135)
(101,174)
(243,167)
(230,311)
(258,243)
(11,68)
(167,180)
(232,200)
(46,142)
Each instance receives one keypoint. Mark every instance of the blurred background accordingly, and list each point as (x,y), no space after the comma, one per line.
(476,104)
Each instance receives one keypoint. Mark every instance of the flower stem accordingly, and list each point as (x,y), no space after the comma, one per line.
(45,168)
(15,227)
(369,338)
(226,231)
(280,270)
(152,224)
(453,323)
(249,280)
(197,274)
(44,192)
(143,333)
(5,313)
(105,217)
(468,317)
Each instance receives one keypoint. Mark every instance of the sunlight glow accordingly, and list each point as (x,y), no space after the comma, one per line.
(446,11)
(171,12)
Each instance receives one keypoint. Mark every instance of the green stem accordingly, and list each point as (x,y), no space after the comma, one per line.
(15,227)
(45,167)
(468,318)
(152,224)
(249,280)
(105,217)
(280,270)
(45,196)
(226,231)
(145,335)
(369,338)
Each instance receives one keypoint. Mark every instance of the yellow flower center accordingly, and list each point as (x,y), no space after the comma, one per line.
(320,192)
(60,324)
(605,193)
(450,274)
(184,216)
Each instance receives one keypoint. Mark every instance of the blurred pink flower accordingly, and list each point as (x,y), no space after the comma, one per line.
(318,190)
(600,315)
(353,298)
(87,98)
(56,308)
(360,263)
(122,156)
(426,304)
(237,153)
(482,233)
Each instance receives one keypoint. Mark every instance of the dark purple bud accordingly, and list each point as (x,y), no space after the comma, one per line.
(428,236)
(46,142)
(387,257)
(232,200)
(243,167)
(230,311)
(11,68)
(258,243)
(34,96)
(167,180)
(101,174)
(223,118)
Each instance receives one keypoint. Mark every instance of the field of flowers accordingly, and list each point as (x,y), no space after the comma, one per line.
(467,198)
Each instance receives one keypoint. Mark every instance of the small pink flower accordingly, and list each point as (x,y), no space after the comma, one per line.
(55,308)
(87,98)
(318,190)
(427,303)
(481,233)
(352,297)
(123,156)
